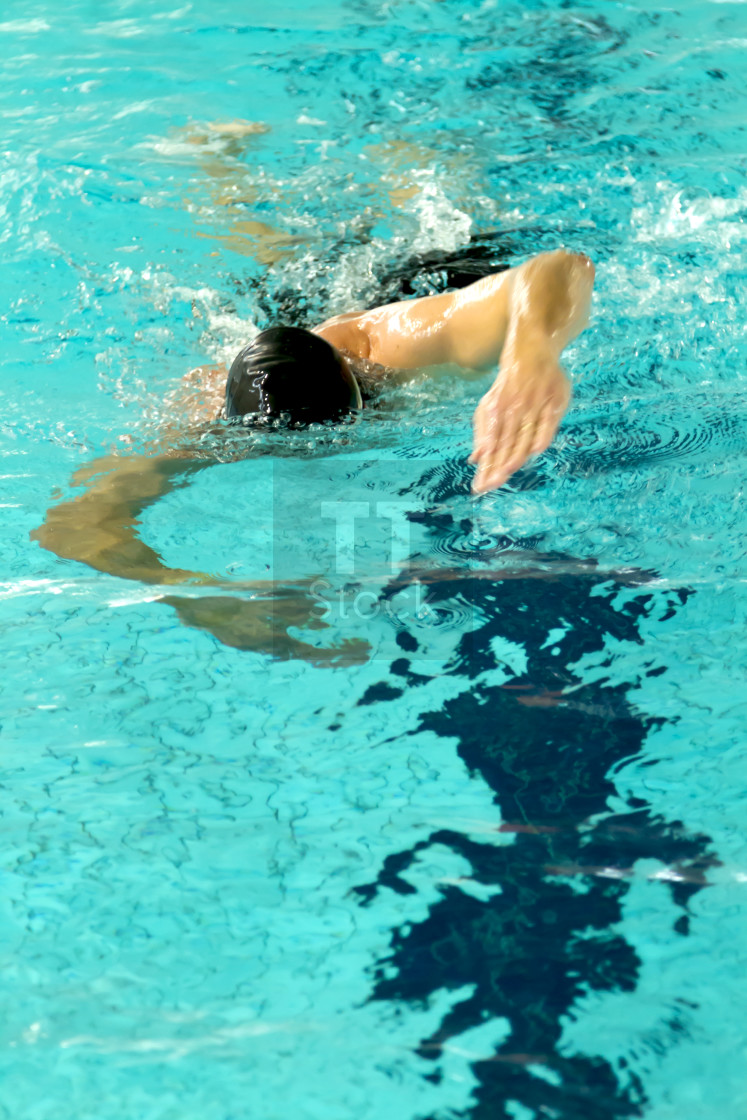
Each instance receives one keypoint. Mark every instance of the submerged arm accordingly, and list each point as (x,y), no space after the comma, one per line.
(99,527)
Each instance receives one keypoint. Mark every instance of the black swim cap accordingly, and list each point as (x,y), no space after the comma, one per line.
(290,372)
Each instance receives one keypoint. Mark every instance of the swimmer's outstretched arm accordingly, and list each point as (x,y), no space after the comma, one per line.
(519,320)
(99,527)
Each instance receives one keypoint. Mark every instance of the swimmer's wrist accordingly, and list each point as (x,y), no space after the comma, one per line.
(530,345)
(531,363)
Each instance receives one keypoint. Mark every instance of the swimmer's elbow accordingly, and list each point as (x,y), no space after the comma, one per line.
(581,265)
(585,267)
(576,276)
(560,270)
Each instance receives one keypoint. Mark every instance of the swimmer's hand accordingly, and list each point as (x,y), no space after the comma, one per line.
(518,416)
(261,625)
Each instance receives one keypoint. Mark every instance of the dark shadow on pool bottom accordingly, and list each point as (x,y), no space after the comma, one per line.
(552,933)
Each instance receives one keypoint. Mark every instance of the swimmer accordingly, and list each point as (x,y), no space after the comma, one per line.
(519,321)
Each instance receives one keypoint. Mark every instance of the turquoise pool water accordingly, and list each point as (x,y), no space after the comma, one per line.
(494,865)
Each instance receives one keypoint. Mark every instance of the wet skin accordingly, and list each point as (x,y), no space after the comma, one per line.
(518,321)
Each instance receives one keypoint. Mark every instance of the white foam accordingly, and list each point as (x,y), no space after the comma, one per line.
(677,211)
(117,28)
(439,226)
(29,26)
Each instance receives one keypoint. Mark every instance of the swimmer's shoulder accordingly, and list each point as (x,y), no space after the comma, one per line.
(347,333)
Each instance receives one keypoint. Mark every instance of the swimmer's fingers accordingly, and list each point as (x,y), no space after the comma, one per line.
(512,450)
(351,651)
(487,424)
(478,434)
(516,419)
(503,434)
(523,442)
(534,435)
(547,426)
(261,626)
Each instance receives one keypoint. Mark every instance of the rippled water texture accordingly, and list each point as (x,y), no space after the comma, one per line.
(491,862)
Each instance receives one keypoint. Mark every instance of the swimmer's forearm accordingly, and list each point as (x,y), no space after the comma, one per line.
(519,415)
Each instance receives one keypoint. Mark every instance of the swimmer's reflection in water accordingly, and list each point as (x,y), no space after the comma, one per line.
(517,321)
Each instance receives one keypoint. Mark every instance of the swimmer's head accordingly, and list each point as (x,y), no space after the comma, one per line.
(291,374)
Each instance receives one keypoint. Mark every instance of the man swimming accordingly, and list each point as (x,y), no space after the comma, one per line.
(519,320)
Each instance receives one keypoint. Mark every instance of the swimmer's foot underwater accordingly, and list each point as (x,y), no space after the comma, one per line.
(518,320)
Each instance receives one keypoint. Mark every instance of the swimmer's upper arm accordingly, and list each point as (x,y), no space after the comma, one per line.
(465,328)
